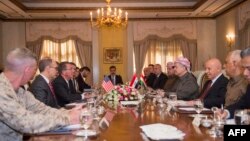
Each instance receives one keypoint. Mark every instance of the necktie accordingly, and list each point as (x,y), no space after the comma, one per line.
(113,80)
(205,92)
(52,90)
(76,85)
(155,82)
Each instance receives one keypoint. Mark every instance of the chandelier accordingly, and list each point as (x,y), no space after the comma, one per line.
(109,17)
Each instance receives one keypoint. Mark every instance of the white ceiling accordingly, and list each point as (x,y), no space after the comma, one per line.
(137,9)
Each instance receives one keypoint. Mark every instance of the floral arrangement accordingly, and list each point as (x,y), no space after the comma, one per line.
(122,93)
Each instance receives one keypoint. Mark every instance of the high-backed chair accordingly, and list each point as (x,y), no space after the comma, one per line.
(201,78)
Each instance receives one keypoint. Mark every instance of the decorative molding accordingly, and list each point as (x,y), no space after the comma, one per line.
(244,14)
(58,30)
(165,29)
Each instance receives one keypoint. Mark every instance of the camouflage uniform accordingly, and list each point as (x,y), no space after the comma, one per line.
(21,113)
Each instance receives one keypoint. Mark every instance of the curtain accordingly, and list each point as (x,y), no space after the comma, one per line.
(140,51)
(156,50)
(36,47)
(84,53)
(244,36)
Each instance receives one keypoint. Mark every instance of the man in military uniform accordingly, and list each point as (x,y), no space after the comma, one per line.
(20,111)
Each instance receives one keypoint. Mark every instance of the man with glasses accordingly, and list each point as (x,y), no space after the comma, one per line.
(62,86)
(20,111)
(172,78)
(42,87)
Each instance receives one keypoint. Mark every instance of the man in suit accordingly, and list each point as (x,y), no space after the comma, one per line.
(42,87)
(214,90)
(151,77)
(160,78)
(62,87)
(115,79)
(73,85)
(84,72)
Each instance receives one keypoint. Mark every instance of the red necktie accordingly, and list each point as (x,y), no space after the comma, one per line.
(52,90)
(205,92)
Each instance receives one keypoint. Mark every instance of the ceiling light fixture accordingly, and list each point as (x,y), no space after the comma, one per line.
(109,17)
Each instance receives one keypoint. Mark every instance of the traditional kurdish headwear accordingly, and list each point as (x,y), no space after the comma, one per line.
(184,61)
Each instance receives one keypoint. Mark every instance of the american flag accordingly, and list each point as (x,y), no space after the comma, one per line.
(107,84)
(109,115)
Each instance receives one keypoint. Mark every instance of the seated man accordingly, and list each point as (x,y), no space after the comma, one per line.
(172,78)
(237,84)
(41,86)
(160,78)
(62,87)
(73,85)
(244,102)
(186,87)
(84,72)
(214,90)
(20,111)
(115,79)
(151,76)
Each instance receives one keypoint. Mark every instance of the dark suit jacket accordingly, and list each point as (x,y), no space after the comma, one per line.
(118,79)
(42,92)
(216,94)
(72,87)
(63,93)
(150,80)
(160,81)
(82,84)
(243,103)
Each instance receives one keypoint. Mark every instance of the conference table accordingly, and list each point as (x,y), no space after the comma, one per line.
(126,127)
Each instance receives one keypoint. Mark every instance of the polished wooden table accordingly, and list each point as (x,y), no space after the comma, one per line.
(124,127)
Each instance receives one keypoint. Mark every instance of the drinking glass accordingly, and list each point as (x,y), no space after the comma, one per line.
(240,117)
(86,120)
(198,106)
(91,103)
(218,124)
(173,96)
(212,131)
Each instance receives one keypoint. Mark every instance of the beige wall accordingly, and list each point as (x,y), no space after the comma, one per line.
(113,38)
(13,36)
(206,41)
(225,24)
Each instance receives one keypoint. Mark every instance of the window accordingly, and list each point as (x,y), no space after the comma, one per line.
(64,51)
(162,52)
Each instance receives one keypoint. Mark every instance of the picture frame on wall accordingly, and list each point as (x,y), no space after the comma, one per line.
(112,55)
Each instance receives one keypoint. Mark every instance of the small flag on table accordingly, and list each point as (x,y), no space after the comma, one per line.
(135,82)
(107,84)
(108,117)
